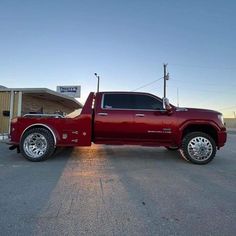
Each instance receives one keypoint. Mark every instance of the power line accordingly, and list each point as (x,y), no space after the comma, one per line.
(145,85)
(206,67)
(204,83)
(199,90)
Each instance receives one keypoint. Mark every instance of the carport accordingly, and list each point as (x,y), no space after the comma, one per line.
(21,101)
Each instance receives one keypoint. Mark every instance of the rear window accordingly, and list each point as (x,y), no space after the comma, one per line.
(118,101)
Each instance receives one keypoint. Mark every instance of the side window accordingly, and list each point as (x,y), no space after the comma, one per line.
(146,102)
(118,101)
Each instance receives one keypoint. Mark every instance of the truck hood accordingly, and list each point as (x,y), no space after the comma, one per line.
(196,110)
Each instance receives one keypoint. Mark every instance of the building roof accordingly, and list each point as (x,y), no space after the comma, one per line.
(45,93)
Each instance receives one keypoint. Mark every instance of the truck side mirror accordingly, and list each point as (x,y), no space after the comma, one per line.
(166,104)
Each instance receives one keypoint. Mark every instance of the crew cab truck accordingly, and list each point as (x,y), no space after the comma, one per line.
(120,118)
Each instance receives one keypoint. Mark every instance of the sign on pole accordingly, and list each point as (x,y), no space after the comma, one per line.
(72,91)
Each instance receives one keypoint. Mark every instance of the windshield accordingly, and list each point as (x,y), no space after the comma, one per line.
(74,113)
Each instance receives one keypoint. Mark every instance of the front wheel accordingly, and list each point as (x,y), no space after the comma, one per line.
(198,147)
(37,144)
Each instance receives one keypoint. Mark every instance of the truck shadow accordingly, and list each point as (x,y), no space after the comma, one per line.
(149,181)
(26,188)
(121,153)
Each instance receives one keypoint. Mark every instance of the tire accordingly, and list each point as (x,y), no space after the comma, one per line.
(171,148)
(37,144)
(198,148)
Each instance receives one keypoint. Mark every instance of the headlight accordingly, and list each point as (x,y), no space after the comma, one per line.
(221,118)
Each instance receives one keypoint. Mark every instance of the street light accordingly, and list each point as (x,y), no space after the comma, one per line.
(98,81)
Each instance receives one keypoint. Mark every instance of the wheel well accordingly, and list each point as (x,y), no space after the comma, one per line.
(41,126)
(208,129)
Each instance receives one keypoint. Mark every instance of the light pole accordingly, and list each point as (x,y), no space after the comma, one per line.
(98,83)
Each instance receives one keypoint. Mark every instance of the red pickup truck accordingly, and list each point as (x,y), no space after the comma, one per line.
(120,118)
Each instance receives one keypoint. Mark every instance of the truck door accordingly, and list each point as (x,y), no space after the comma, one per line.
(114,118)
(151,123)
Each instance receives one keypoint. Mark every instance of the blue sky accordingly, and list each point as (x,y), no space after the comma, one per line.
(49,43)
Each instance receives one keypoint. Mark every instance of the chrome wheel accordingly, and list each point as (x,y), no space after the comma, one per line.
(200,148)
(35,145)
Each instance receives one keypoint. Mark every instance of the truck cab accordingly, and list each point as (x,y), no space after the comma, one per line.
(131,118)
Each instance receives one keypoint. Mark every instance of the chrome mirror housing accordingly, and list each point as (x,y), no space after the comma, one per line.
(166,104)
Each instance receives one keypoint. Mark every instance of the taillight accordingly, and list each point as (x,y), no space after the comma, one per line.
(14,120)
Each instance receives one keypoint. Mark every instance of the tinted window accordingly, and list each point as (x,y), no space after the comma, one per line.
(118,101)
(147,102)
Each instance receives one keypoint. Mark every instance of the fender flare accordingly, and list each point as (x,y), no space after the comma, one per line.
(42,125)
(197,122)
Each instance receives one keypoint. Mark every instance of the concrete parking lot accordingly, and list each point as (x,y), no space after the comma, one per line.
(109,190)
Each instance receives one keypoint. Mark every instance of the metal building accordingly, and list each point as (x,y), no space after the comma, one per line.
(20,101)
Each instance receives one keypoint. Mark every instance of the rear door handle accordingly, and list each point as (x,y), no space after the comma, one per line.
(139,115)
(102,114)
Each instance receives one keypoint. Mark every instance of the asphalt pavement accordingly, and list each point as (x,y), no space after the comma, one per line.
(114,190)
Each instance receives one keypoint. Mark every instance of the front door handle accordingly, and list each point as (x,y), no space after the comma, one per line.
(102,114)
(139,115)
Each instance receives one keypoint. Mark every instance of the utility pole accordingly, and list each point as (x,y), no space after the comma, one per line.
(166,77)
(98,83)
